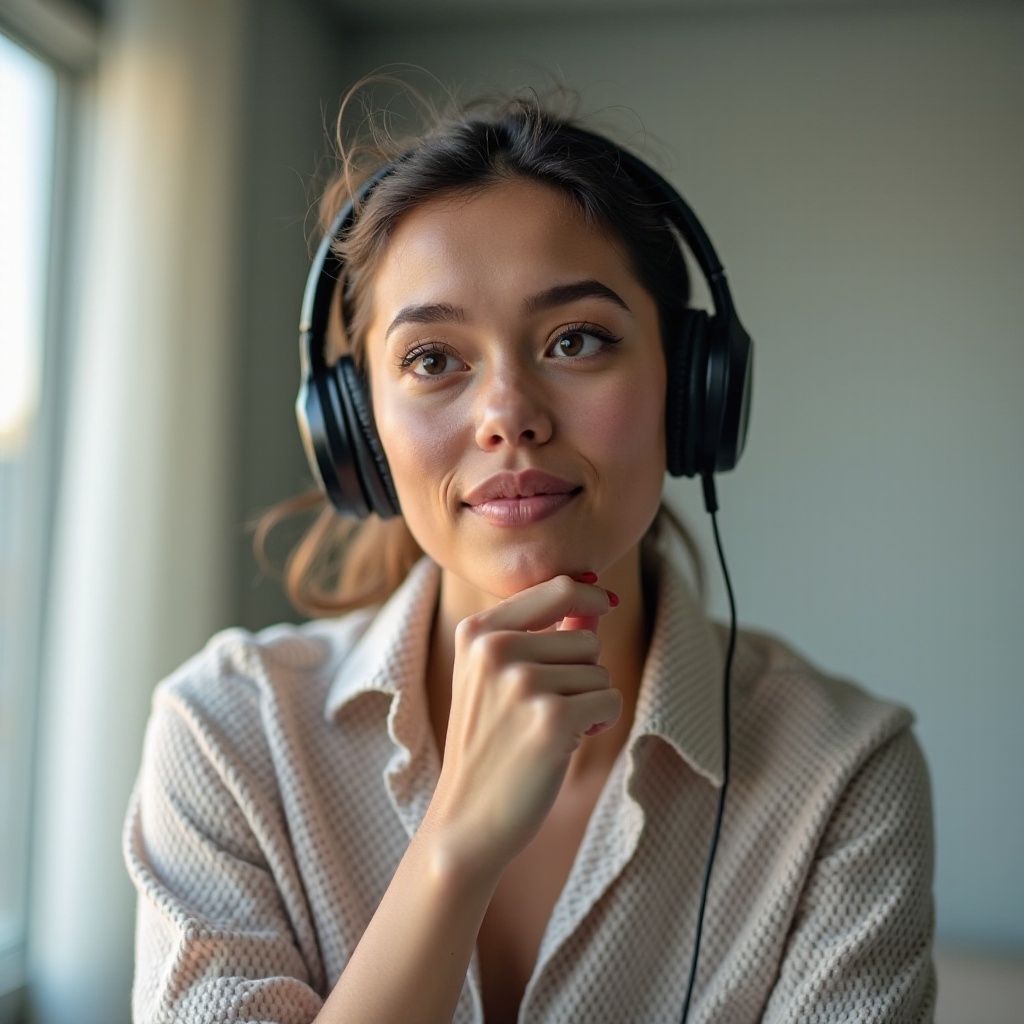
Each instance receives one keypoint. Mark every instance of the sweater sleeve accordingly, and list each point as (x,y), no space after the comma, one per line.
(860,945)
(215,935)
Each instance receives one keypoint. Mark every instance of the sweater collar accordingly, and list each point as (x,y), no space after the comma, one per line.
(681,691)
(391,655)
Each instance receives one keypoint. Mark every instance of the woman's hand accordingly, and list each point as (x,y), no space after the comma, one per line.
(522,702)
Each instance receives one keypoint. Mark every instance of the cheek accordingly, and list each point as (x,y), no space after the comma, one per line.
(626,428)
(420,443)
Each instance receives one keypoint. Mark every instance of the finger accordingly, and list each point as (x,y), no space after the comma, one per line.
(561,680)
(573,623)
(578,622)
(546,604)
(546,648)
(594,708)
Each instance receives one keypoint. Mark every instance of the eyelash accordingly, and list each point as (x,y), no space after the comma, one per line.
(588,328)
(426,349)
(440,348)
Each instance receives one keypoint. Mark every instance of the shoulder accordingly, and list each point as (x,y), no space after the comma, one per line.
(245,691)
(817,756)
(244,667)
(787,704)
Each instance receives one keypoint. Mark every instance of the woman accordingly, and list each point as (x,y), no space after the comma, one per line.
(490,792)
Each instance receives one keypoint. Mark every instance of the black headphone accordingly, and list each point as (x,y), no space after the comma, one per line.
(709,368)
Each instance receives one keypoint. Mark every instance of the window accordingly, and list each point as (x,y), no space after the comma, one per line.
(28,116)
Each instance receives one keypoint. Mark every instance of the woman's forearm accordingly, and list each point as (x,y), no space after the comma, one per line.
(411,962)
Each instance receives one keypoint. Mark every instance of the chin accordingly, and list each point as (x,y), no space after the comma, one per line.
(516,569)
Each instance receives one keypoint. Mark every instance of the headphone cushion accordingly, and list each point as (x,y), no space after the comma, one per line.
(730,372)
(686,365)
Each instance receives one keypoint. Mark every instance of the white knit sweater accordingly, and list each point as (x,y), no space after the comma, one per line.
(284,774)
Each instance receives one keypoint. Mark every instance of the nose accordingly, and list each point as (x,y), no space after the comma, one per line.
(512,411)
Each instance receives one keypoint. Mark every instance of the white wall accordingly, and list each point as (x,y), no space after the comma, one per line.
(297,63)
(860,172)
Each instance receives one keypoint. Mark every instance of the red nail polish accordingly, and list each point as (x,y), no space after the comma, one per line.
(613,598)
(587,577)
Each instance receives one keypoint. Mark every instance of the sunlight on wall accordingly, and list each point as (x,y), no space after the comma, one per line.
(26,128)
(27,113)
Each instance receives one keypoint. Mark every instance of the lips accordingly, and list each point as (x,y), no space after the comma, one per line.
(518,499)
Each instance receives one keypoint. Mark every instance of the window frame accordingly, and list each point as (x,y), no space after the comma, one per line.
(65,37)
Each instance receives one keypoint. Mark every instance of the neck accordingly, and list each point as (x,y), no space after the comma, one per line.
(624,635)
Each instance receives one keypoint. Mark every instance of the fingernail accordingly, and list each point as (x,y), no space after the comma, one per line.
(613,598)
(595,729)
(586,577)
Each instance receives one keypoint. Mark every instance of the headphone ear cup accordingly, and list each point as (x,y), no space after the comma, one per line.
(365,450)
(325,438)
(730,379)
(686,365)
(341,441)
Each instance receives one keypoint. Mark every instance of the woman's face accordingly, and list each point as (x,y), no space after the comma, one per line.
(518,384)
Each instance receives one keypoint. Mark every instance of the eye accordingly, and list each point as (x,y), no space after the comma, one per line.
(431,360)
(580,342)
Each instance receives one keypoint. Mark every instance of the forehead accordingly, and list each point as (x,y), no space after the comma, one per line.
(498,243)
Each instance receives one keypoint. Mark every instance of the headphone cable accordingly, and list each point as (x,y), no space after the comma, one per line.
(711,503)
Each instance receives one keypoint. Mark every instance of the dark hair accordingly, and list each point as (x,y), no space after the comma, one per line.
(338,565)
(517,138)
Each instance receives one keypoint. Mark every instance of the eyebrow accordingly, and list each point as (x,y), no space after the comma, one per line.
(563,294)
(550,298)
(427,313)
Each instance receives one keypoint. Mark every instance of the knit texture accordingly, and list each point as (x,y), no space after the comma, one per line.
(284,774)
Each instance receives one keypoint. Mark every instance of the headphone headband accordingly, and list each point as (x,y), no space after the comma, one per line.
(325,274)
